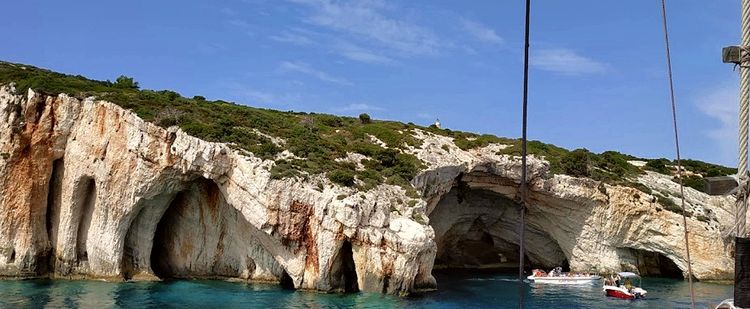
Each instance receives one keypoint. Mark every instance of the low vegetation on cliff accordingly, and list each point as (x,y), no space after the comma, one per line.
(319,143)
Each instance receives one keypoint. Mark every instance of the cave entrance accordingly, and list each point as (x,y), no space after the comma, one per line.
(87,200)
(477,229)
(161,251)
(52,214)
(475,248)
(656,265)
(344,272)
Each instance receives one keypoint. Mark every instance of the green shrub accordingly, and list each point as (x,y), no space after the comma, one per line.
(637,185)
(576,163)
(342,177)
(283,169)
(693,181)
(707,169)
(364,118)
(125,82)
(659,166)
(167,122)
(670,205)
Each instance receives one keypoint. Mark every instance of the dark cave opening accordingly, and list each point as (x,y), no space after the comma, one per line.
(655,264)
(286,281)
(161,250)
(477,229)
(86,203)
(54,195)
(344,272)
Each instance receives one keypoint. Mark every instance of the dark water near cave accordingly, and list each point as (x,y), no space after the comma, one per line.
(464,290)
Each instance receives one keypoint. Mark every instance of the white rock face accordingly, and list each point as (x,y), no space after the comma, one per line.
(89,190)
(590,225)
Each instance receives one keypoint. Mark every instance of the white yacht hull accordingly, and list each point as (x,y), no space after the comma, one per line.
(565,280)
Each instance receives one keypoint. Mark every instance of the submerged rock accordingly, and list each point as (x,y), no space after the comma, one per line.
(90,190)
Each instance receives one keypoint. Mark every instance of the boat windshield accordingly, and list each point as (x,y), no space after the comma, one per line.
(627,274)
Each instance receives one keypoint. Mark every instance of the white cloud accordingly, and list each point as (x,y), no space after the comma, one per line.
(566,62)
(721,104)
(359,107)
(259,96)
(366,20)
(357,53)
(293,38)
(481,32)
(253,97)
(304,68)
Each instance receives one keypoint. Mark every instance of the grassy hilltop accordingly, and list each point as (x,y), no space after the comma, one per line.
(317,140)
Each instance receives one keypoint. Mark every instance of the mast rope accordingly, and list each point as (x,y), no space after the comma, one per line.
(524,188)
(741,203)
(677,148)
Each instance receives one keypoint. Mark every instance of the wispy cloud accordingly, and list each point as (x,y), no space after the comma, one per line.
(304,68)
(721,105)
(359,107)
(481,32)
(566,62)
(356,53)
(368,21)
(292,38)
(424,115)
(257,97)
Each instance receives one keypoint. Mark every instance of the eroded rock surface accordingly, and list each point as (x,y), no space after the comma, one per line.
(89,190)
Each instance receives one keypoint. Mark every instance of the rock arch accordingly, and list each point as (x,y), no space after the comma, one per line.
(476,227)
(649,263)
(191,231)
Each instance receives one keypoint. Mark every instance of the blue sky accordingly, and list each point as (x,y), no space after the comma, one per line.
(597,78)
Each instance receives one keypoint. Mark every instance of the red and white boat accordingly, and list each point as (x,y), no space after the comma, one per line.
(624,289)
(558,277)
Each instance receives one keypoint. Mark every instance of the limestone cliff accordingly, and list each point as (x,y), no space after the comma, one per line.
(90,190)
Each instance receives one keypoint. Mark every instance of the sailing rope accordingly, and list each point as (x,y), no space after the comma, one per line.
(524,188)
(677,147)
(741,203)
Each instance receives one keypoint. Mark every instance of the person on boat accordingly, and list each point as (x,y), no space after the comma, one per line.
(617,280)
(628,285)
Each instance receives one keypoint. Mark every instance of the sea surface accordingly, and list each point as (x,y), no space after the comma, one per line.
(456,290)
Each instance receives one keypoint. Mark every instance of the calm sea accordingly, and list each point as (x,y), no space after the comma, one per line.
(464,290)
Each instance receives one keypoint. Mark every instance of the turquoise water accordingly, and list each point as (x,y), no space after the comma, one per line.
(456,291)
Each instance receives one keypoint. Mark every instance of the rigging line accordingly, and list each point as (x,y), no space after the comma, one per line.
(741,203)
(677,148)
(524,189)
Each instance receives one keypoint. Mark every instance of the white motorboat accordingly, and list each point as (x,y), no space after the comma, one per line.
(558,277)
